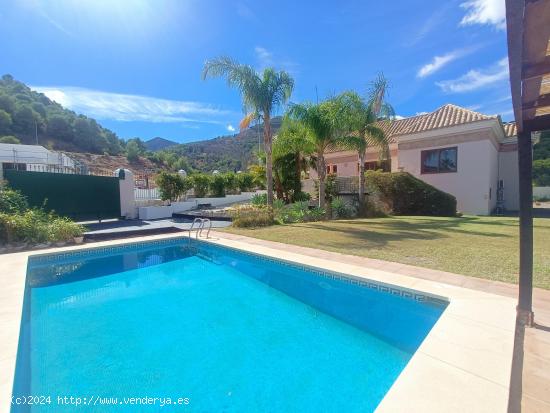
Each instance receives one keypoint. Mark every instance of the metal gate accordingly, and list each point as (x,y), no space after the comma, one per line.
(80,197)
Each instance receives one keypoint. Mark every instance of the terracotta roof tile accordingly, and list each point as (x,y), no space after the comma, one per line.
(510,129)
(445,116)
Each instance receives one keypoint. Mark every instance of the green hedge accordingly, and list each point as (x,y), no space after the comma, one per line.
(541,172)
(406,195)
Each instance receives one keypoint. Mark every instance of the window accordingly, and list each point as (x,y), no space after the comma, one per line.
(332,169)
(438,161)
(384,165)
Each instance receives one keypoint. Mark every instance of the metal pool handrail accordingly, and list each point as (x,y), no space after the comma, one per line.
(201,222)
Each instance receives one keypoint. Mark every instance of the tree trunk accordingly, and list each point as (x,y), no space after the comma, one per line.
(268,158)
(362,182)
(298,186)
(322,171)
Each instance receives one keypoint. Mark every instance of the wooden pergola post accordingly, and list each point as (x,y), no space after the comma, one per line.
(525,158)
(528,33)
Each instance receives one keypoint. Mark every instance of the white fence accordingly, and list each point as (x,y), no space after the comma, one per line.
(541,191)
(141,194)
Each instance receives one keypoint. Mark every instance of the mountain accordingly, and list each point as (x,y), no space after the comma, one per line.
(159,144)
(30,117)
(226,153)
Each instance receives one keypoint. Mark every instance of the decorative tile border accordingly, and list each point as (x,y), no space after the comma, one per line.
(100,251)
(347,278)
(207,254)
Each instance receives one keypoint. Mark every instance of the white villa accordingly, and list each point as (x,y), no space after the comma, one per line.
(34,158)
(465,153)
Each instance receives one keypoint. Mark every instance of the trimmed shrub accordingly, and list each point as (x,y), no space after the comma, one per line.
(246,216)
(245,181)
(403,194)
(172,186)
(541,172)
(201,183)
(10,139)
(217,185)
(12,201)
(231,185)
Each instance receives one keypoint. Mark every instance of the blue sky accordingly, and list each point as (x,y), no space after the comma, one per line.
(135,64)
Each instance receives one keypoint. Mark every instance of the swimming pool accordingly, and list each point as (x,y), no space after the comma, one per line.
(220,328)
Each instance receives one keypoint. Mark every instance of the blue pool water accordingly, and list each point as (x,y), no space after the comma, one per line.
(229,331)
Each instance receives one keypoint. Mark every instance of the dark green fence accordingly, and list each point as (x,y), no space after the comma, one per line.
(80,197)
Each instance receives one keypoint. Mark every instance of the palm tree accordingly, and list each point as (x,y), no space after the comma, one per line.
(261,93)
(321,123)
(358,119)
(291,146)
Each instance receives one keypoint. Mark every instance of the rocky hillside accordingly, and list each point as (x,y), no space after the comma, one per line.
(226,153)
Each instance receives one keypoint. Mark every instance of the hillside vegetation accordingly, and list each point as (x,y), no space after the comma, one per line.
(225,153)
(26,115)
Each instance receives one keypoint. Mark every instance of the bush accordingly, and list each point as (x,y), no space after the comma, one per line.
(172,186)
(10,139)
(340,209)
(259,200)
(36,226)
(541,172)
(403,194)
(299,212)
(231,185)
(331,187)
(201,183)
(12,201)
(63,229)
(217,185)
(301,196)
(251,217)
(245,181)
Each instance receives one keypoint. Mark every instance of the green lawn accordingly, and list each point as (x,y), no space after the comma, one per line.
(485,247)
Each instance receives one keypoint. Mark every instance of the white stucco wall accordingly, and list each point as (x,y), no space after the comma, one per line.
(166,211)
(476,174)
(509,174)
(127,200)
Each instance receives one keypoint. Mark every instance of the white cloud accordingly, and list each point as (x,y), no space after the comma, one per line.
(264,56)
(266,59)
(231,128)
(122,107)
(491,12)
(439,62)
(477,78)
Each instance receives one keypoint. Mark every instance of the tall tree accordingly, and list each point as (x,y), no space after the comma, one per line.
(291,147)
(262,93)
(358,119)
(321,122)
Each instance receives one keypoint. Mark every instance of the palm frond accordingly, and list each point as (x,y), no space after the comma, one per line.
(247,120)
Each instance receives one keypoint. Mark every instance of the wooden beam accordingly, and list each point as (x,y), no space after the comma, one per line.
(514,25)
(536,70)
(543,100)
(525,159)
(540,123)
